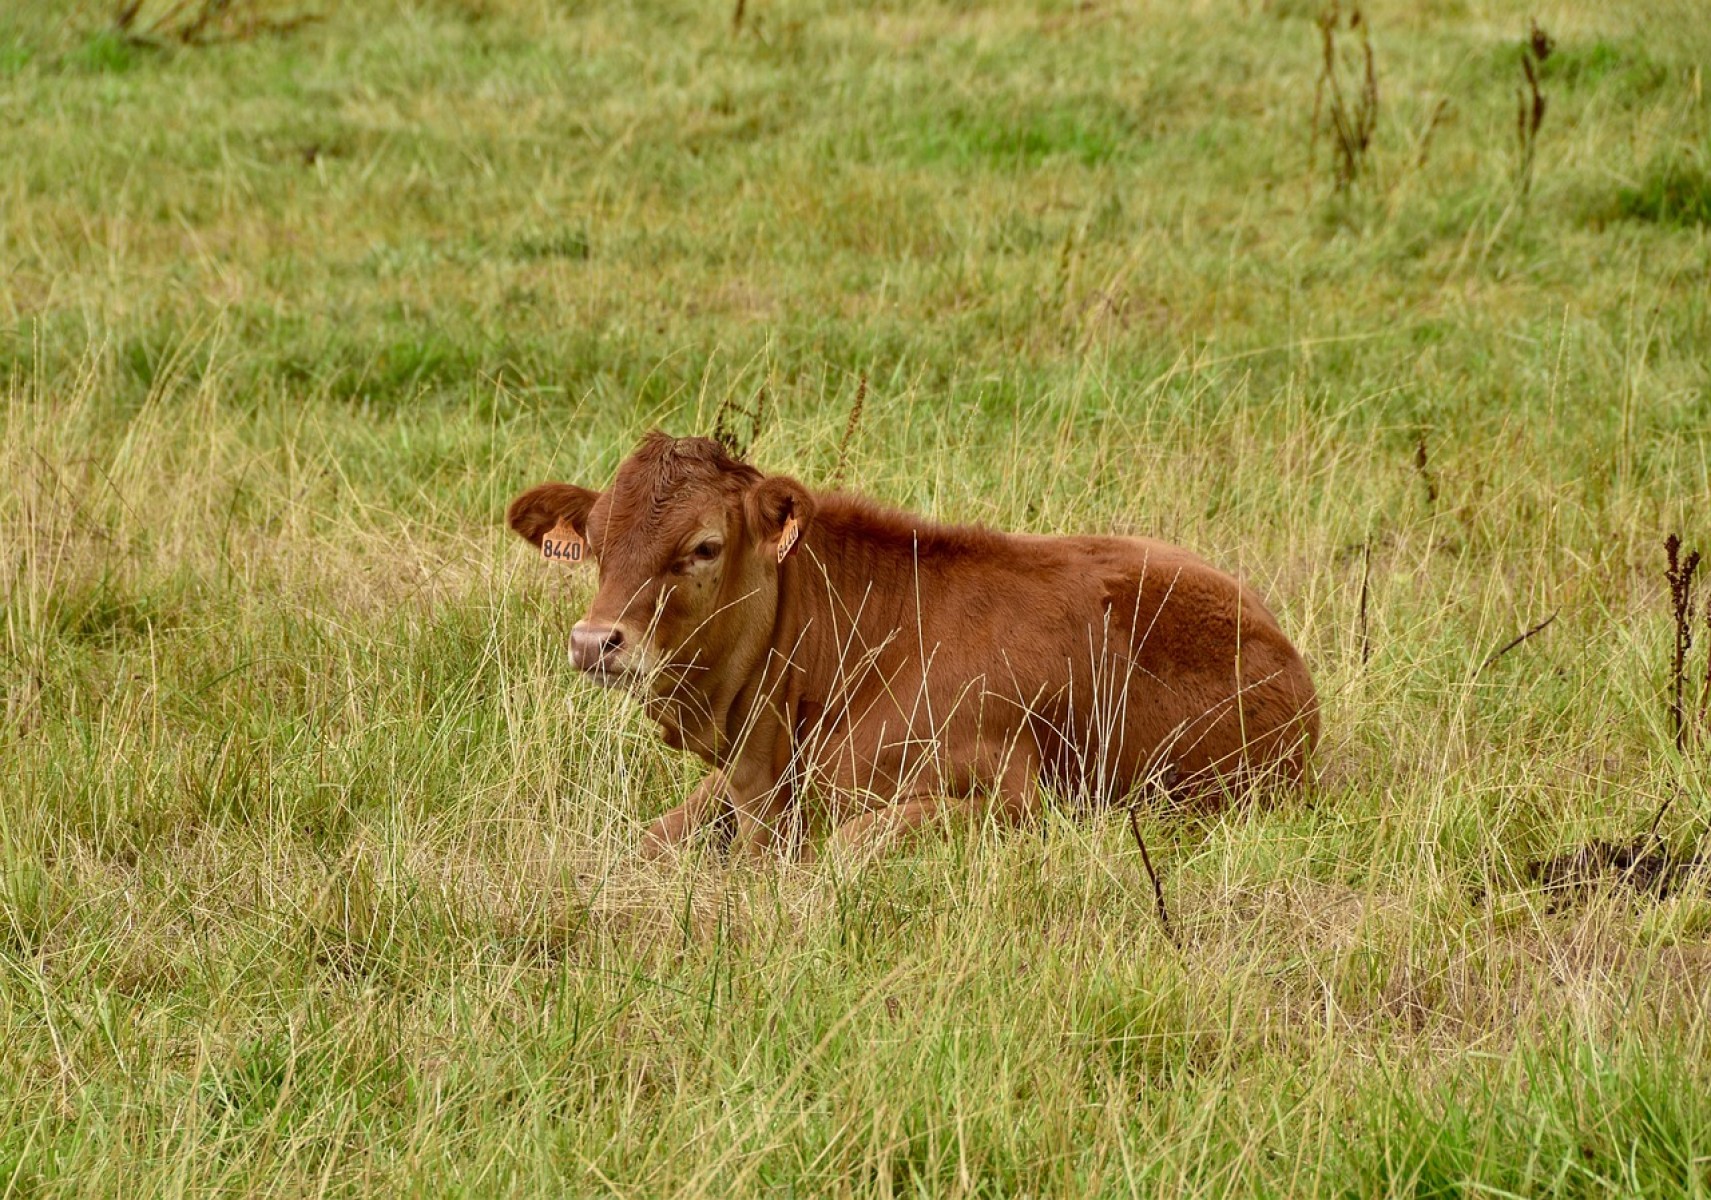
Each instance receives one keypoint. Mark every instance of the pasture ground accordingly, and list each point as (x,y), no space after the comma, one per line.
(315,863)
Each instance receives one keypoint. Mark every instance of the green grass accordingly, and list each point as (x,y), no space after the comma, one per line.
(316,868)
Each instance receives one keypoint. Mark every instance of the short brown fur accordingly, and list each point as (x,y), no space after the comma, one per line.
(883,668)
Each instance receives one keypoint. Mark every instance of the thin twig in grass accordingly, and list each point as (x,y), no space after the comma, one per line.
(737,17)
(1657,818)
(850,427)
(1365,578)
(1158,888)
(1513,642)
(1680,578)
(1530,104)
(1439,111)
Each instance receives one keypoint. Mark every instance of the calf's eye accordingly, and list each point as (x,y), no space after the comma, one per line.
(705,552)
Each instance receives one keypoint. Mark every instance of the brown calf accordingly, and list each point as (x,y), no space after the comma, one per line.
(838,662)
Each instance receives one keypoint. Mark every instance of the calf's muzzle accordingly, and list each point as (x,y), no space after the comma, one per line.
(595,648)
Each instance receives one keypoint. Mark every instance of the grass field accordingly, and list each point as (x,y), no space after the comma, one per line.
(316,864)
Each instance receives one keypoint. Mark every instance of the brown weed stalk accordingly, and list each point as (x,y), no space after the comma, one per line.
(1351,119)
(1705,688)
(1530,103)
(1680,578)
(1423,468)
(726,435)
(850,428)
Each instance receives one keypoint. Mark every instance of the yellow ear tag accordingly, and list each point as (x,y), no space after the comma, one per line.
(563,545)
(787,536)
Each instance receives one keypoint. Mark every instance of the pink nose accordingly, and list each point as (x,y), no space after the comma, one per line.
(592,647)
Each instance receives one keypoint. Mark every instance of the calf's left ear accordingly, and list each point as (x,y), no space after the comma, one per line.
(779,512)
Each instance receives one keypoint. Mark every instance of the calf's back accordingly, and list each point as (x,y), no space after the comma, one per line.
(926,658)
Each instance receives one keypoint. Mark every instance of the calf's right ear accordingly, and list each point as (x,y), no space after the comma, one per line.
(560,507)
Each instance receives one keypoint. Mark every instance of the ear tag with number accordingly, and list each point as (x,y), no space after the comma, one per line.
(787,536)
(563,545)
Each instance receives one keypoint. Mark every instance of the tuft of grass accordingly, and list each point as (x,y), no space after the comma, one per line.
(565,243)
(105,53)
(1628,69)
(1675,191)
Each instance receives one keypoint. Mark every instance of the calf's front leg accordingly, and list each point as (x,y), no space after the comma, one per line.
(708,802)
(870,832)
(754,809)
(1014,798)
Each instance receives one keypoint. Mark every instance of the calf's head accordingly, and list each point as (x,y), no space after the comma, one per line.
(688,541)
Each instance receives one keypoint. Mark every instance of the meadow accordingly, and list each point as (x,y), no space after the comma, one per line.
(317,869)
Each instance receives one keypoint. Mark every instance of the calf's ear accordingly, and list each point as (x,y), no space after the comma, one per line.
(556,509)
(779,512)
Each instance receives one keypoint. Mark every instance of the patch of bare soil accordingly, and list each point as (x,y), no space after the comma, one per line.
(1647,865)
